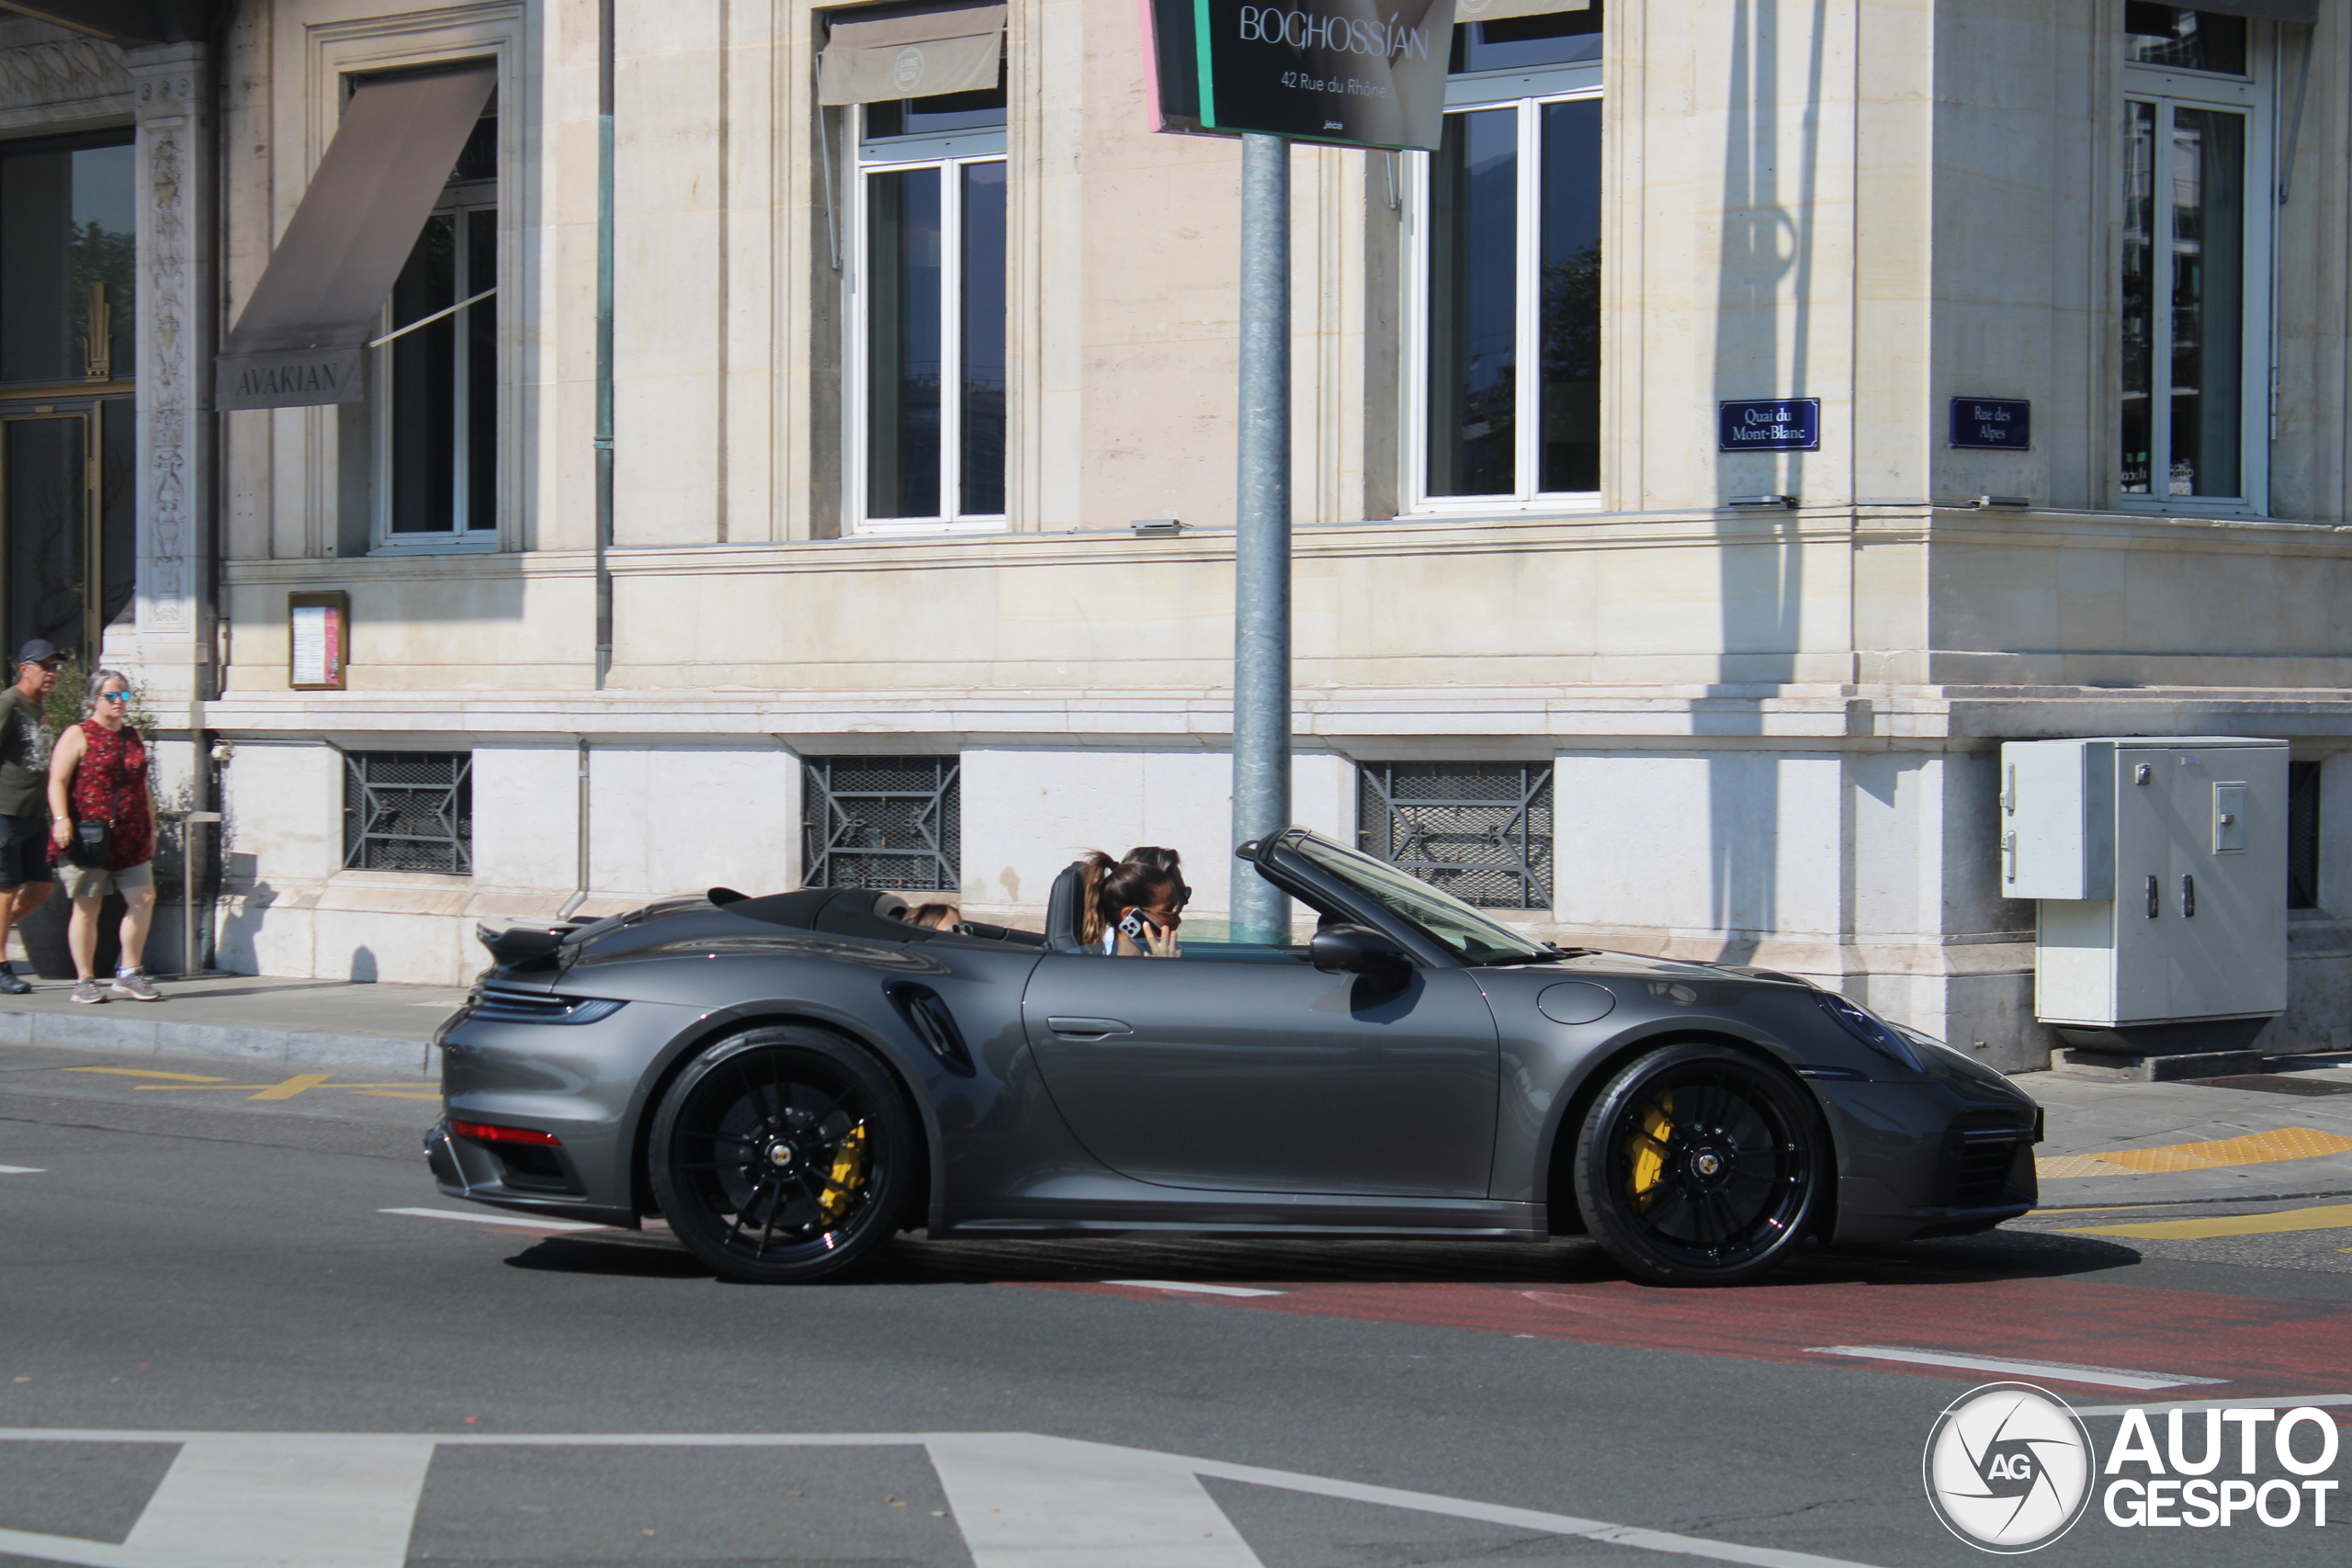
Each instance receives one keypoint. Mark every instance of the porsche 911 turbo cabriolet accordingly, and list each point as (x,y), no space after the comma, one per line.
(789,1081)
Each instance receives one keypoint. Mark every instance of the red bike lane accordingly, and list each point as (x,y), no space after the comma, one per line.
(2253,1345)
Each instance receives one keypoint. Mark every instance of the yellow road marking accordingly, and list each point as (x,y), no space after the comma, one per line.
(293,1086)
(144,1073)
(2327,1217)
(2253,1148)
(288,1089)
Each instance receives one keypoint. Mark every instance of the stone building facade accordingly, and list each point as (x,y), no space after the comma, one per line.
(891,381)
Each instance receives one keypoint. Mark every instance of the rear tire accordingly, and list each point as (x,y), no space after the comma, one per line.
(783,1155)
(1701,1165)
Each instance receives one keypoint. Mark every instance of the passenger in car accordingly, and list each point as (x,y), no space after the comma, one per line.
(938,916)
(1130,908)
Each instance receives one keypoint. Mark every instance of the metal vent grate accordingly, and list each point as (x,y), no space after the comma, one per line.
(2302,835)
(407,811)
(1480,830)
(892,822)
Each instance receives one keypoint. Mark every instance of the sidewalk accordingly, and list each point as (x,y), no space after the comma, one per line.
(2239,1139)
(231,1017)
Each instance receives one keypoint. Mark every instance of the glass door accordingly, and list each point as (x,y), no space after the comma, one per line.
(68,548)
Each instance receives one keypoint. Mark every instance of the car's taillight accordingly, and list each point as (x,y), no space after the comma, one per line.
(490,1132)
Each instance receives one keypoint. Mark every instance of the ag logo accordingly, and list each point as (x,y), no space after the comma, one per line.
(2008,1467)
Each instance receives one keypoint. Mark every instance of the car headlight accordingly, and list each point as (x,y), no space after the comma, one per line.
(1870,1030)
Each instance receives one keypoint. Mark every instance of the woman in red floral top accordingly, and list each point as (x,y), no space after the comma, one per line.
(98,772)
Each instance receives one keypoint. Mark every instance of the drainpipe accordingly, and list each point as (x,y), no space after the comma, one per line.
(604,342)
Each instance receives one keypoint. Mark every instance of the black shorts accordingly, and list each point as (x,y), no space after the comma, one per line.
(24,851)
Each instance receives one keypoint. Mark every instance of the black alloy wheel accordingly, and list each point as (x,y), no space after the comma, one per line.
(1700,1166)
(782,1156)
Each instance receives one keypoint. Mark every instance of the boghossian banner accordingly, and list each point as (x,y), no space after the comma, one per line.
(1351,72)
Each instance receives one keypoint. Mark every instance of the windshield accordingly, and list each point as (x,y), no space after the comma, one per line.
(1466,933)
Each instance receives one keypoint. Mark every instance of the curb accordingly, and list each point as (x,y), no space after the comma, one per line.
(164,1036)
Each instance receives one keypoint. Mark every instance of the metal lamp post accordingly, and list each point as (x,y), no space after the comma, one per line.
(1261,532)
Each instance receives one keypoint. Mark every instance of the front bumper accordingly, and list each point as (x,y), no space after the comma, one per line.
(1918,1160)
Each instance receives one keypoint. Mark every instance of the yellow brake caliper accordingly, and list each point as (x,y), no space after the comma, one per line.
(847,1179)
(1647,1147)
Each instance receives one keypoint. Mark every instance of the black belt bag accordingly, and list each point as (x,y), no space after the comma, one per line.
(93,844)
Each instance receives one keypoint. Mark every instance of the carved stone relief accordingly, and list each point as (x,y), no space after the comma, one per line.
(63,72)
(167,126)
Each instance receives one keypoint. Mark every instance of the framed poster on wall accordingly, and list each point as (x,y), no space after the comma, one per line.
(318,640)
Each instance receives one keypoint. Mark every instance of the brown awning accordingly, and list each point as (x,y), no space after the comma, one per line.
(911,57)
(299,341)
(1496,10)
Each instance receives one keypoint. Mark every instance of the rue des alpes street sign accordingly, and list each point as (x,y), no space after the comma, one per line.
(1347,73)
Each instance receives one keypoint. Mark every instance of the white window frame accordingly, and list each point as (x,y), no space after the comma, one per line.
(455,201)
(949,154)
(2170,87)
(1525,92)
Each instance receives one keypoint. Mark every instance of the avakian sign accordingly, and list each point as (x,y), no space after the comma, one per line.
(289,379)
(1350,72)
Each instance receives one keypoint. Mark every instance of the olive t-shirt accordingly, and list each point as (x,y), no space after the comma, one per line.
(24,784)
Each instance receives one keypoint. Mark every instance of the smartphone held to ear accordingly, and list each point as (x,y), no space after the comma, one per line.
(1134,925)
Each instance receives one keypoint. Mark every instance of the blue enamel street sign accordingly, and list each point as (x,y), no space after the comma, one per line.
(1775,424)
(1997,424)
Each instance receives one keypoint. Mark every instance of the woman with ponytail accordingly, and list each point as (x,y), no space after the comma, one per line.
(1130,908)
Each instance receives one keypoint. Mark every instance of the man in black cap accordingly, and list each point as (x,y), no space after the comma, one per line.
(25,878)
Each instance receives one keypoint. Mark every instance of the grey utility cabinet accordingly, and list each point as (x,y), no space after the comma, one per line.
(2161,869)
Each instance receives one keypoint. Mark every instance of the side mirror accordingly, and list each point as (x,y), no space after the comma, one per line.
(1358,950)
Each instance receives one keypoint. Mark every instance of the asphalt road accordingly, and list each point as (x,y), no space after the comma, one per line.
(219,1342)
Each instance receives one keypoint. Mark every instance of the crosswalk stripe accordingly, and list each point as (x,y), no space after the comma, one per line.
(21,1170)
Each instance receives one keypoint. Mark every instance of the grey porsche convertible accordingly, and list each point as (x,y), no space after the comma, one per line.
(788,1081)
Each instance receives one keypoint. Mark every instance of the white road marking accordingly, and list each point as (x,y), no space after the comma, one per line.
(1024,1502)
(2059,1371)
(266,1500)
(524,1222)
(1198,1290)
(21,1170)
(343,1500)
(2241,1403)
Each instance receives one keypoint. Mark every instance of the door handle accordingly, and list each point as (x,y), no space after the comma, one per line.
(1087,1028)
(2155,908)
(2187,897)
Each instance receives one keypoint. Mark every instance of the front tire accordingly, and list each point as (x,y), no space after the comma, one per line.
(782,1156)
(1700,1166)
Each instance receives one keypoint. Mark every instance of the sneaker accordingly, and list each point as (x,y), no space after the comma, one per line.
(88,991)
(134,984)
(13,984)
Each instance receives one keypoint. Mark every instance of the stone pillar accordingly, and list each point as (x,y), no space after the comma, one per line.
(172,90)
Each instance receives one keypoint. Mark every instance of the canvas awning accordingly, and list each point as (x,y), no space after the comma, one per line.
(1499,10)
(911,57)
(299,340)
